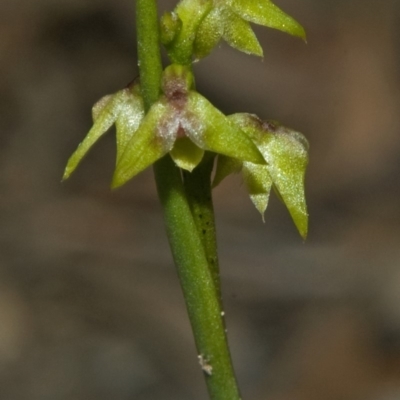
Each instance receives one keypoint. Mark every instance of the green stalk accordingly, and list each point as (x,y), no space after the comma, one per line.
(198,191)
(197,284)
(148,40)
(190,258)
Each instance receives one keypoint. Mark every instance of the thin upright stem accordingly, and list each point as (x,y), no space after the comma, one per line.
(198,191)
(202,301)
(149,57)
(187,248)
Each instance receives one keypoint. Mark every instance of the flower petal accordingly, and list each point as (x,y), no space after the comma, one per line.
(154,138)
(259,184)
(211,130)
(239,34)
(286,154)
(209,34)
(105,113)
(264,12)
(186,154)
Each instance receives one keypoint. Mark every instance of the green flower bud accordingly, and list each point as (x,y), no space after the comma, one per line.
(190,13)
(170,26)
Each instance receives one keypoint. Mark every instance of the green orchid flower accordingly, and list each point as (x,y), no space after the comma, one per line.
(286,154)
(185,124)
(125,109)
(197,26)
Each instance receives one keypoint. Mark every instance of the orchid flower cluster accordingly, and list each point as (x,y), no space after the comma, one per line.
(184,124)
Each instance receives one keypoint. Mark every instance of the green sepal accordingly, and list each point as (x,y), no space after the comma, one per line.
(286,154)
(215,132)
(100,105)
(130,116)
(239,34)
(105,112)
(191,13)
(208,35)
(259,184)
(225,167)
(186,154)
(204,23)
(266,13)
(150,142)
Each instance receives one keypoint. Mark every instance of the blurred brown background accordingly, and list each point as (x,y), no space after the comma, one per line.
(90,306)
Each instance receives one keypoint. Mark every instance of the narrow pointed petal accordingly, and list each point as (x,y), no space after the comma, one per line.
(128,121)
(266,13)
(226,166)
(105,115)
(259,184)
(286,154)
(239,34)
(211,130)
(186,154)
(208,35)
(154,138)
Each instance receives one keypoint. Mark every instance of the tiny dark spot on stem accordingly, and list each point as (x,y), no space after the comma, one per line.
(204,231)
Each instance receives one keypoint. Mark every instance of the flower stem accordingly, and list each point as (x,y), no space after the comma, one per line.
(202,301)
(198,191)
(149,58)
(197,281)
